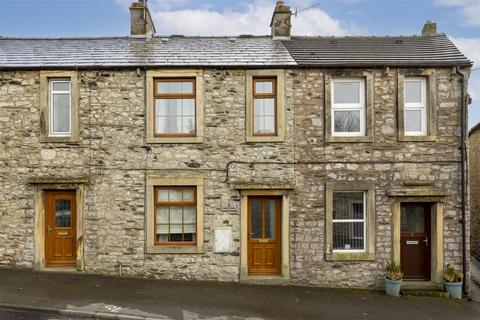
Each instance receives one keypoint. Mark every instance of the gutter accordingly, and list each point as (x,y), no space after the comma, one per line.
(463,176)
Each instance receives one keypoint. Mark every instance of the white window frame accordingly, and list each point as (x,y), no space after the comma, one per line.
(422,106)
(364,220)
(349,107)
(51,117)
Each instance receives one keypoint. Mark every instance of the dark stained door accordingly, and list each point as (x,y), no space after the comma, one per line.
(415,240)
(60,233)
(264,217)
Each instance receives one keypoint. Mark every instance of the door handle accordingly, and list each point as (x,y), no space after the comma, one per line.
(426,241)
(49,229)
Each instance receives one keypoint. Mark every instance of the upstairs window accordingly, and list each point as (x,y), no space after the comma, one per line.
(348,107)
(264,106)
(349,227)
(60,108)
(415,106)
(175,107)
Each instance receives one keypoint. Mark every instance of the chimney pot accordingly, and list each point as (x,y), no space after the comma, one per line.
(141,23)
(430,28)
(281,23)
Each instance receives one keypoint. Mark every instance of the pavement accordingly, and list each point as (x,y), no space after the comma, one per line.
(12,314)
(97,297)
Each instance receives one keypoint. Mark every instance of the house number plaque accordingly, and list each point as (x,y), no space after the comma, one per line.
(229,205)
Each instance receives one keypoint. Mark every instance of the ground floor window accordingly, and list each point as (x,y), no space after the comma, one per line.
(349,221)
(175,215)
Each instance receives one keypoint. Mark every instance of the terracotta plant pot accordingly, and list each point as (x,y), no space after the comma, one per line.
(392,287)
(454,289)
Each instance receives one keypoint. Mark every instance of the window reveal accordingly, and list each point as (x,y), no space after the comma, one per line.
(60,107)
(175,107)
(348,107)
(264,106)
(175,215)
(415,107)
(349,221)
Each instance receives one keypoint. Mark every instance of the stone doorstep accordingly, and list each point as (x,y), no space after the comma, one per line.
(82,313)
(424,293)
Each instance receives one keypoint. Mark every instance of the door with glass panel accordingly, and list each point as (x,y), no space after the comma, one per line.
(415,240)
(61,228)
(264,234)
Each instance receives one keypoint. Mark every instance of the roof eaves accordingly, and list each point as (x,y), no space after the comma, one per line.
(474,129)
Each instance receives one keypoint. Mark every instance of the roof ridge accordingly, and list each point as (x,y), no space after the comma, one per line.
(244,36)
(178,36)
(416,36)
(67,38)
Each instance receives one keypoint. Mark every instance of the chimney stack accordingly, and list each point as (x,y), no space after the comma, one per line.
(429,29)
(141,23)
(281,23)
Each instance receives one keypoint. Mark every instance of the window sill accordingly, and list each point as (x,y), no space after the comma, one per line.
(349,256)
(254,139)
(404,138)
(351,139)
(173,140)
(176,249)
(48,139)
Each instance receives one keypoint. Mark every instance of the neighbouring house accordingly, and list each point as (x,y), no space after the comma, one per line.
(275,159)
(474,170)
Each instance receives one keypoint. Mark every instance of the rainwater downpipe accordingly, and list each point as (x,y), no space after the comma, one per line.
(463,178)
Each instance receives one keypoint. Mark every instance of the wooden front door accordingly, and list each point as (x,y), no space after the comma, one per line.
(415,240)
(264,234)
(61,228)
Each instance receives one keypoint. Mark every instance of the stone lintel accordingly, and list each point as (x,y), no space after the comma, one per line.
(418,183)
(417,192)
(254,186)
(57,180)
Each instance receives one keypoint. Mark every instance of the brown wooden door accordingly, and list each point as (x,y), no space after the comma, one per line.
(61,228)
(415,240)
(264,234)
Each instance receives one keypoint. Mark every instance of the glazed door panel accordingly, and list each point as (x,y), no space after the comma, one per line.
(415,240)
(264,234)
(60,228)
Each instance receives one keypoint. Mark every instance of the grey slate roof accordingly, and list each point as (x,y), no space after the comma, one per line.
(258,51)
(135,52)
(418,51)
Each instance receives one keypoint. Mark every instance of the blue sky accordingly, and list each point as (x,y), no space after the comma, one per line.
(460,19)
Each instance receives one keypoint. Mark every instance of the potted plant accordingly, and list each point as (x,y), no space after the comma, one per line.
(453,281)
(393,278)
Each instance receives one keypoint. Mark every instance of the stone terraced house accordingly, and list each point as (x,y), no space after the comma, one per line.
(265,159)
(474,169)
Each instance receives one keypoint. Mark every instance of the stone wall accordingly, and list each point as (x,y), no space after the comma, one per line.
(474,169)
(113,157)
(386,161)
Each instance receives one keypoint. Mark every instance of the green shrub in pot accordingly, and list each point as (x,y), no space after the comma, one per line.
(393,278)
(453,281)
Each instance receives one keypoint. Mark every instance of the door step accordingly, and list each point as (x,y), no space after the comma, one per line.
(424,293)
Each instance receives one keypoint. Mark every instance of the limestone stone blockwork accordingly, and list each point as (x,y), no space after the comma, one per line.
(113,159)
